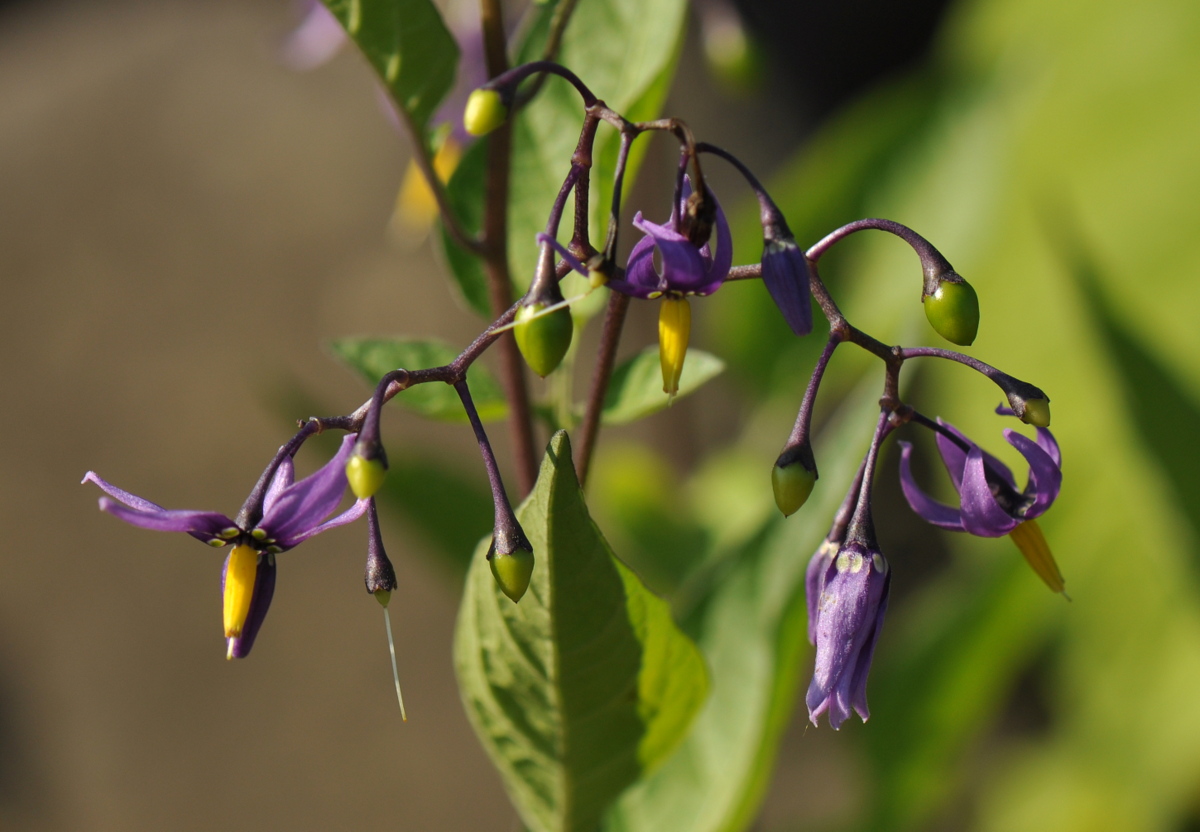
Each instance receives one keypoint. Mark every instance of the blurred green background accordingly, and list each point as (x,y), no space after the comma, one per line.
(183,223)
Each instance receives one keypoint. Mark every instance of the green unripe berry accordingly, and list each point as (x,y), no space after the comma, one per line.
(1037,413)
(485,111)
(543,338)
(512,572)
(953,311)
(366,476)
(382,596)
(792,485)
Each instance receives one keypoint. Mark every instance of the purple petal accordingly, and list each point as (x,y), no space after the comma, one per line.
(785,274)
(260,602)
(348,516)
(683,267)
(955,457)
(981,514)
(204,525)
(858,684)
(718,267)
(303,506)
(1049,444)
(1045,477)
(570,258)
(814,583)
(284,478)
(927,508)
(317,39)
(641,279)
(131,500)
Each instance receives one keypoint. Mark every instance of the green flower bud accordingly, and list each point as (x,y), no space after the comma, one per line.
(953,310)
(512,572)
(366,476)
(543,338)
(792,485)
(485,111)
(1037,413)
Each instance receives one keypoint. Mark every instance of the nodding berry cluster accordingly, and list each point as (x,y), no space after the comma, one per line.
(848,577)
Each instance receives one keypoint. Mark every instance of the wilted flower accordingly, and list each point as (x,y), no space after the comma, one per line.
(847,587)
(290,513)
(990,505)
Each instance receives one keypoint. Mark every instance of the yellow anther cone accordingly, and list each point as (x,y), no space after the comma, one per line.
(674,327)
(239,588)
(1032,543)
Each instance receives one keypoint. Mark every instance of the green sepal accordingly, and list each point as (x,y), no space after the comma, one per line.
(953,311)
(543,338)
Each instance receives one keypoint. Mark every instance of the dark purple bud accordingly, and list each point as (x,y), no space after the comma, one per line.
(380,576)
(785,273)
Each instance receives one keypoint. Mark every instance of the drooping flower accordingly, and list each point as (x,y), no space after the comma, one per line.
(687,269)
(990,504)
(847,587)
(287,514)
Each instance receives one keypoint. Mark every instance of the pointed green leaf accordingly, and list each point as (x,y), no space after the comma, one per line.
(375,357)
(750,622)
(636,388)
(407,44)
(586,684)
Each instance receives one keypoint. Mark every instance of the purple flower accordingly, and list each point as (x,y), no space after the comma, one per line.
(288,513)
(686,268)
(847,588)
(990,504)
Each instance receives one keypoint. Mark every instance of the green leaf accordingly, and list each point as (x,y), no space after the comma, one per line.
(750,622)
(407,44)
(585,685)
(375,357)
(626,52)
(636,388)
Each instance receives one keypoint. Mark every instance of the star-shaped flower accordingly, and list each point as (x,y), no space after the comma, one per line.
(287,514)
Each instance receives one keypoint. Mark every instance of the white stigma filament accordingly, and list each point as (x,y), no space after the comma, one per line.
(387,623)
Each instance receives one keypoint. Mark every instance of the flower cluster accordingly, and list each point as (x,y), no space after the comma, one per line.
(689,255)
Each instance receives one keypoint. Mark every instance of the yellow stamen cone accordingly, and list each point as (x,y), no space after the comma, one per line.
(240,572)
(1032,543)
(674,328)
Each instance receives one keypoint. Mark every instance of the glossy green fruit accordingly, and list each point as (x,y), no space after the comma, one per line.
(792,485)
(366,476)
(512,572)
(543,339)
(953,311)
(485,111)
